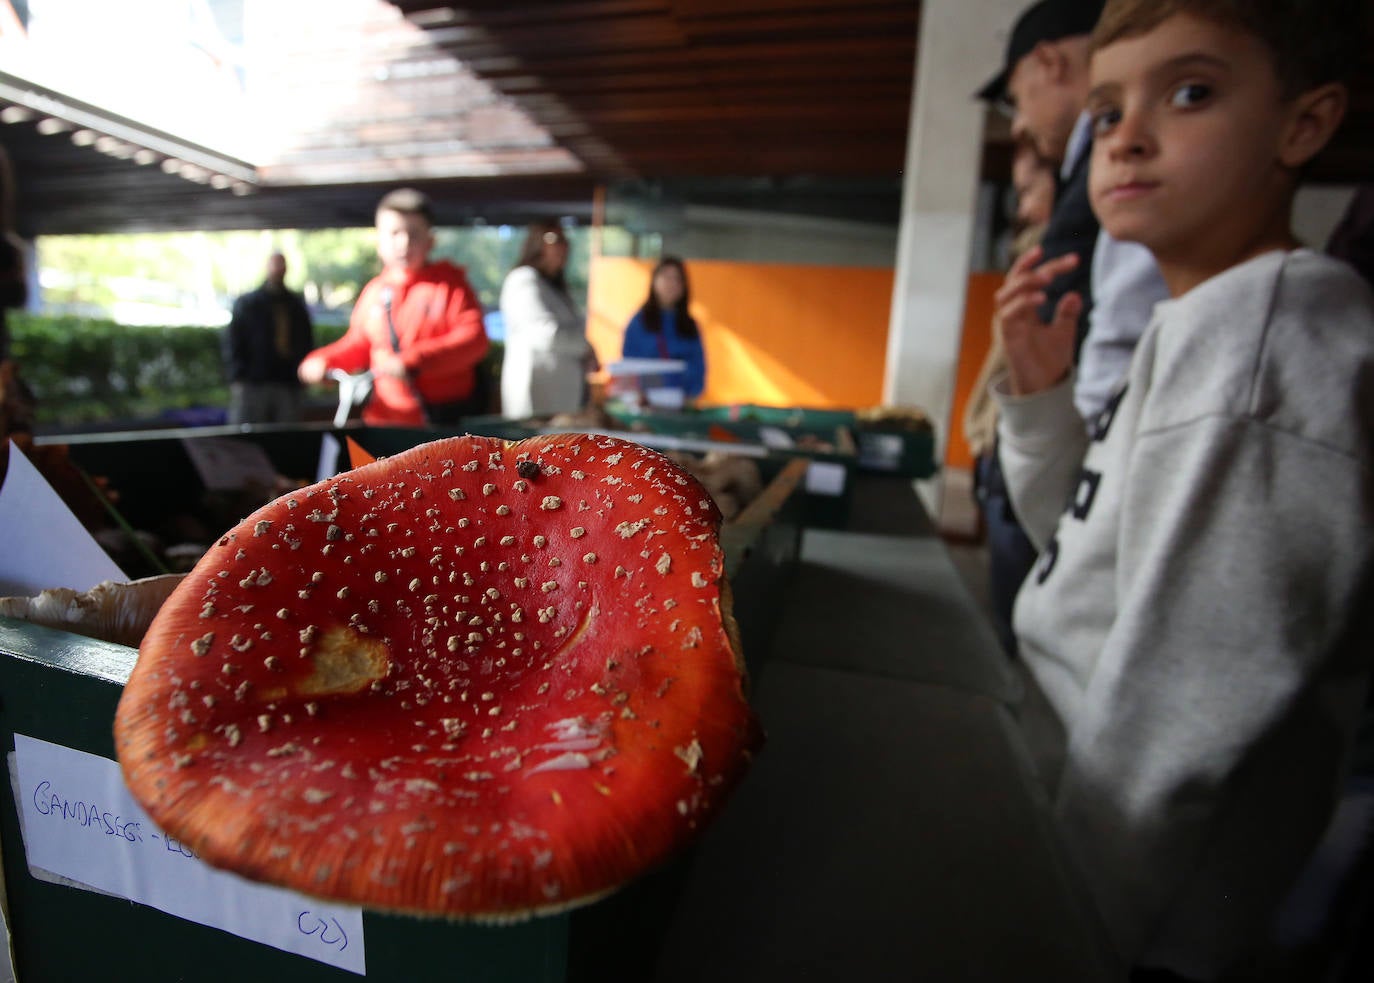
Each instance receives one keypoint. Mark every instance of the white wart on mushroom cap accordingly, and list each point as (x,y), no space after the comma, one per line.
(477,679)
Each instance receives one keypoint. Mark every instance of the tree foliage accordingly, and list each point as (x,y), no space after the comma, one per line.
(91,361)
(204,271)
(87,371)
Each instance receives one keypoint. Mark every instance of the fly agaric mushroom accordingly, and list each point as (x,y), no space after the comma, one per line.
(478,679)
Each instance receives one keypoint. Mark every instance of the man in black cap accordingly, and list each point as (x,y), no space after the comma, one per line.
(1044,85)
(1044,82)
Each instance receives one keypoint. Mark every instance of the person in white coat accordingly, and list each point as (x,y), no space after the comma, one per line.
(547,354)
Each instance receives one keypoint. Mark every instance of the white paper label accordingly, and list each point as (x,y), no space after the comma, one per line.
(775,437)
(646,366)
(666,397)
(81,822)
(226,464)
(44,544)
(825,478)
(329,458)
(881,450)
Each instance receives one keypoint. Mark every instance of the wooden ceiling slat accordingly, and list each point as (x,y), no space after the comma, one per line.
(643,35)
(783,118)
(677,85)
(831,23)
(781,77)
(825,56)
(779,8)
(772,100)
(835,141)
(502,13)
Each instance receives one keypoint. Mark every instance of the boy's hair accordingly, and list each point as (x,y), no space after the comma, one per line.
(407,201)
(1310,43)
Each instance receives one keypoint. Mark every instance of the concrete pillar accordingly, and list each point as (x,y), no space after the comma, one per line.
(960,45)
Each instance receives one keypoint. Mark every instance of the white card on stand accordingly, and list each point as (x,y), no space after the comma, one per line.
(42,544)
(227,464)
(328,465)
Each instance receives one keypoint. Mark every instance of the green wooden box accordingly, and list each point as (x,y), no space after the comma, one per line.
(826,494)
(879,447)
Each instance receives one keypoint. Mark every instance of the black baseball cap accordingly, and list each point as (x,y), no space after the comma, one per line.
(1048,20)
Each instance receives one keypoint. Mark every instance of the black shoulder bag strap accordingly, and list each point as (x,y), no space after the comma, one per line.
(396,347)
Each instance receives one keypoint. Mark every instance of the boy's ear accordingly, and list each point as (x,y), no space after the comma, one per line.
(1313,118)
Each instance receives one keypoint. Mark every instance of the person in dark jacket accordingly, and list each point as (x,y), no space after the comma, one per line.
(268,336)
(1353,238)
(13,282)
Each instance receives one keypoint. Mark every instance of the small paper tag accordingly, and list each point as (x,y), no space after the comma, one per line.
(825,478)
(775,437)
(881,451)
(328,466)
(226,464)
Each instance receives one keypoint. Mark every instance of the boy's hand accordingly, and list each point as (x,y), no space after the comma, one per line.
(1039,355)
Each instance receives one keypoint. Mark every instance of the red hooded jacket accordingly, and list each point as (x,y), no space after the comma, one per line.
(438,320)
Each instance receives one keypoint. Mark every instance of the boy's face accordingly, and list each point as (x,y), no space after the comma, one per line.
(1189,125)
(403,240)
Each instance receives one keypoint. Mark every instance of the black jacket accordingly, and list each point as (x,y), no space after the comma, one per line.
(13,289)
(1072,229)
(251,350)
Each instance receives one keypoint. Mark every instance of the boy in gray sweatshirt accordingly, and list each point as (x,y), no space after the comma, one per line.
(1195,620)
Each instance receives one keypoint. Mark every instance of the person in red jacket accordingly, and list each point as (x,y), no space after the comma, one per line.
(417,325)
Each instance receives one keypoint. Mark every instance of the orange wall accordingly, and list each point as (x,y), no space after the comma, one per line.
(973,348)
(782,335)
(775,334)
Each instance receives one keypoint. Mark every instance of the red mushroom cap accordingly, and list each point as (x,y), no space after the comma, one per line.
(433,685)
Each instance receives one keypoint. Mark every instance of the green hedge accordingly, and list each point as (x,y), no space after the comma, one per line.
(86,371)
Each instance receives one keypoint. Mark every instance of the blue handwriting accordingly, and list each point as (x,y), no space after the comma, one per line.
(310,923)
(85,814)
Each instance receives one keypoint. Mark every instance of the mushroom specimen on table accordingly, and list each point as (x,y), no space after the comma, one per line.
(111,610)
(479,679)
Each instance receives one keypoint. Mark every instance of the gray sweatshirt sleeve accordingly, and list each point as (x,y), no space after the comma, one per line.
(1215,721)
(1041,442)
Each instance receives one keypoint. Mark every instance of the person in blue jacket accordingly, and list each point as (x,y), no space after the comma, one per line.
(663,328)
